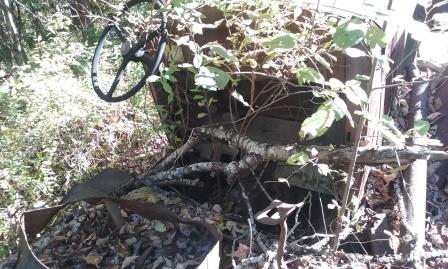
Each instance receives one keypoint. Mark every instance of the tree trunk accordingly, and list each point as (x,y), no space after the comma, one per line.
(20,28)
(5,53)
(16,49)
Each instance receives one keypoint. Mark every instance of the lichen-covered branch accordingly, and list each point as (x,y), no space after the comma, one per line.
(366,155)
(230,170)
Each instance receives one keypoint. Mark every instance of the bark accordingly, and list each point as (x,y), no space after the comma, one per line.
(366,155)
(230,170)
(5,47)
(16,48)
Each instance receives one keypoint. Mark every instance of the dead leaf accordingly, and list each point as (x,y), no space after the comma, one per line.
(101,242)
(241,253)
(93,259)
(141,194)
(124,213)
(394,241)
(217,208)
(122,250)
(215,216)
(398,169)
(438,103)
(130,241)
(128,261)
(434,116)
(389,178)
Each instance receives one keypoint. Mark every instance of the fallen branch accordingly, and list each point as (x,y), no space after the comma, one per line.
(366,155)
(230,170)
(170,159)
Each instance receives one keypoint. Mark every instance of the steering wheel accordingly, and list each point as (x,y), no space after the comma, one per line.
(135,38)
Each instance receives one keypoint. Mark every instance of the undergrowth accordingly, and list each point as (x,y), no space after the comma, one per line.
(55,131)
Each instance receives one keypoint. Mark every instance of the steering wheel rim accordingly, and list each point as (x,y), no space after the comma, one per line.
(130,55)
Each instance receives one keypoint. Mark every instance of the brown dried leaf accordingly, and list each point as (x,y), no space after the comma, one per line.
(215,216)
(389,178)
(398,169)
(93,259)
(438,103)
(128,261)
(141,194)
(434,116)
(101,242)
(241,253)
(130,241)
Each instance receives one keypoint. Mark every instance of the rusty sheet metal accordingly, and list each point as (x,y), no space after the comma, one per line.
(99,189)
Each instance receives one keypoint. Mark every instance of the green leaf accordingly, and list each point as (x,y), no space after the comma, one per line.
(355,53)
(167,88)
(419,30)
(300,158)
(221,77)
(307,74)
(441,21)
(159,226)
(240,98)
(349,33)
(253,64)
(351,96)
(335,84)
(318,123)
(221,51)
(281,42)
(183,40)
(152,78)
(176,3)
(375,37)
(355,86)
(341,110)
(212,78)
(197,60)
(323,62)
(390,136)
(421,127)
(387,128)
(362,77)
(201,115)
(323,169)
(198,97)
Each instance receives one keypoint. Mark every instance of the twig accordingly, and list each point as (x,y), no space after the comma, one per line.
(251,260)
(442,78)
(257,178)
(299,208)
(181,182)
(303,238)
(262,245)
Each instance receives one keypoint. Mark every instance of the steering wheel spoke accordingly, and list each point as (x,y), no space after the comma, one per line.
(117,78)
(119,33)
